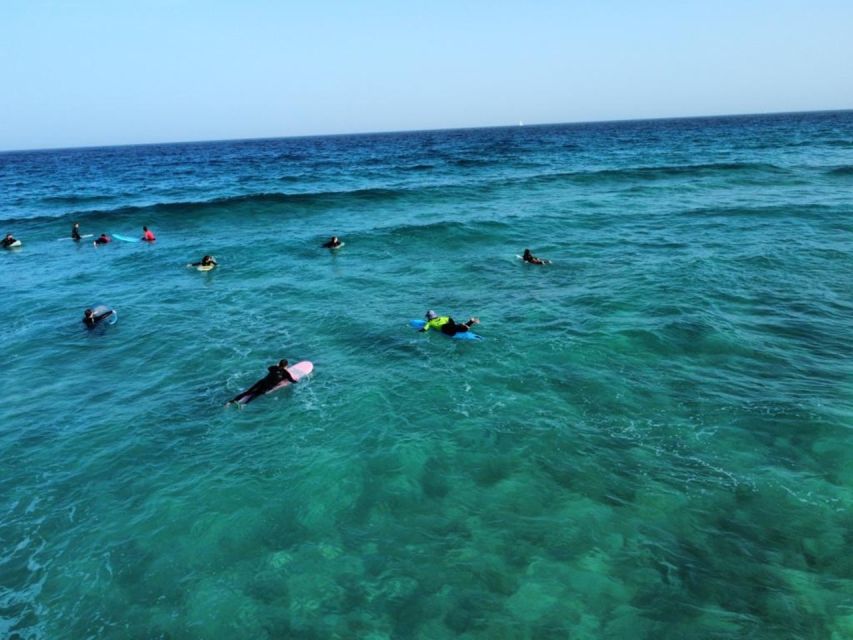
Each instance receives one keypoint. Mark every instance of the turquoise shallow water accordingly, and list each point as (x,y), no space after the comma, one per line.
(652,441)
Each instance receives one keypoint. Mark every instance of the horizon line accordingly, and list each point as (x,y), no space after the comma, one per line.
(399,131)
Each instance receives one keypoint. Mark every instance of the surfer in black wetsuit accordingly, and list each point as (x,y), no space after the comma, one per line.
(285,374)
(90,319)
(206,261)
(8,241)
(333,243)
(75,232)
(529,257)
(275,374)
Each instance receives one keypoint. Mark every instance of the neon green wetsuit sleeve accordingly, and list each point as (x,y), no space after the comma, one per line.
(436,323)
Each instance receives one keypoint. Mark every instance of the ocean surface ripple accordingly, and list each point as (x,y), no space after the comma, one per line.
(652,441)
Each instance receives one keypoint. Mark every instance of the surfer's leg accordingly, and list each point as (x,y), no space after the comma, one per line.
(236,398)
(449,328)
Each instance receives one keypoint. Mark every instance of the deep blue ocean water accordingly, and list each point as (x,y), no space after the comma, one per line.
(652,441)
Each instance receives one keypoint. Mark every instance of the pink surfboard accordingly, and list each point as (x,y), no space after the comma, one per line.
(298,371)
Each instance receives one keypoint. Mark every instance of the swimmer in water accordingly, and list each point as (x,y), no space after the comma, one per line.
(446,325)
(333,243)
(91,320)
(275,374)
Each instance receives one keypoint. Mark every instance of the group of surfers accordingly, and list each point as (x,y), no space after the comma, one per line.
(148,236)
(445,324)
(276,373)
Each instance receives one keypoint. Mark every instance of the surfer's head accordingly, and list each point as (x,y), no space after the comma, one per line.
(282,364)
(88,313)
(431,315)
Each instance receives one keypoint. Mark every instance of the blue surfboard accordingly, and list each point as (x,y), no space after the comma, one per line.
(118,236)
(466,335)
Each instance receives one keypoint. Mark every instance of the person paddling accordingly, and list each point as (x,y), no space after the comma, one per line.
(333,243)
(102,239)
(8,241)
(446,324)
(529,257)
(91,320)
(206,261)
(276,373)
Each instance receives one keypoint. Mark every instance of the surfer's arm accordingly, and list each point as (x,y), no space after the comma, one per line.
(435,323)
(106,314)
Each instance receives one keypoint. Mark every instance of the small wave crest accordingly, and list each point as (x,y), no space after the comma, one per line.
(844,171)
(77,199)
(318,198)
(674,171)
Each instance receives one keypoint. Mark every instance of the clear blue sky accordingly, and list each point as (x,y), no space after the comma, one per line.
(86,72)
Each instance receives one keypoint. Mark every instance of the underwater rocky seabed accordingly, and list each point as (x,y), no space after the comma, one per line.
(652,441)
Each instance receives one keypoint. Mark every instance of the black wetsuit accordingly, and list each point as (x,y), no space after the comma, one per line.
(92,321)
(286,375)
(8,242)
(451,328)
(75,234)
(263,385)
(332,245)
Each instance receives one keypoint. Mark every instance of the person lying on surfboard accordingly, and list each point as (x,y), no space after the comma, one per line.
(445,324)
(8,241)
(102,239)
(275,374)
(206,261)
(333,243)
(90,319)
(285,374)
(529,257)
